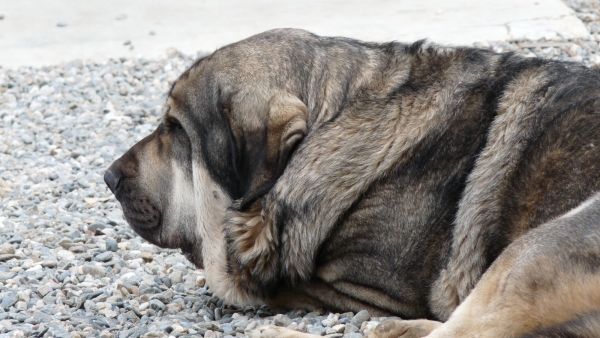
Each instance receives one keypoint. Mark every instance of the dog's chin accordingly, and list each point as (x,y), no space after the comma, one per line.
(142,215)
(146,226)
(194,258)
(151,235)
(191,251)
(147,221)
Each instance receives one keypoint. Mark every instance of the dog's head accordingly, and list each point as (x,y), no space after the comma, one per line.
(230,125)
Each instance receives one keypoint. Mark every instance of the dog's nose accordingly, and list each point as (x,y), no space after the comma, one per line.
(111,181)
(112,178)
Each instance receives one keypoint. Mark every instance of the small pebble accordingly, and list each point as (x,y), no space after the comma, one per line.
(176,277)
(360,317)
(353,335)
(282,320)
(210,334)
(104,257)
(350,328)
(6,249)
(146,256)
(111,245)
(340,328)
(157,305)
(8,257)
(65,255)
(317,330)
(94,270)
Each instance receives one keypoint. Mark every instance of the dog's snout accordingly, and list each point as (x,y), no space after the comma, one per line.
(112,177)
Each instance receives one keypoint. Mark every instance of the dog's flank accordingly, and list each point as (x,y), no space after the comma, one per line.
(407,179)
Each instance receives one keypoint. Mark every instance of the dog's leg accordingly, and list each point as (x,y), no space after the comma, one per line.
(548,277)
(392,328)
(395,328)
(272,331)
(587,326)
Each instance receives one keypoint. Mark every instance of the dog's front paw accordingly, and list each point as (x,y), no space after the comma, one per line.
(395,328)
(253,251)
(299,240)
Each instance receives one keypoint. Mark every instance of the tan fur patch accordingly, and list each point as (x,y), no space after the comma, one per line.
(479,209)
(533,284)
(403,329)
(253,244)
(210,212)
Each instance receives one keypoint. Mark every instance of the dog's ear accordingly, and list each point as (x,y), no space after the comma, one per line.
(286,127)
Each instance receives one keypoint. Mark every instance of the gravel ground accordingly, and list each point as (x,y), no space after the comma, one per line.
(69,264)
(586,51)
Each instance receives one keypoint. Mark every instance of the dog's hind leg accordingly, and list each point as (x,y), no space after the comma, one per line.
(545,279)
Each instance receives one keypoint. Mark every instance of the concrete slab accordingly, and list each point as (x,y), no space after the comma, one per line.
(43,32)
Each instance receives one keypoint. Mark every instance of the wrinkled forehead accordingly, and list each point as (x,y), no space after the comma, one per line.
(197,77)
(233,70)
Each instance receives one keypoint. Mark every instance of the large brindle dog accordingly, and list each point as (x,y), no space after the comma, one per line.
(431,183)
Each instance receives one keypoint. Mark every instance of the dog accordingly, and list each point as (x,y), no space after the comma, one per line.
(453,187)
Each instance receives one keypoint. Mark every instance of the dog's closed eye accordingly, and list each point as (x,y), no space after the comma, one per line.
(172,124)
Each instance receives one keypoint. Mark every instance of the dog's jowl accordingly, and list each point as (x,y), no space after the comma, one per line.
(438,184)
